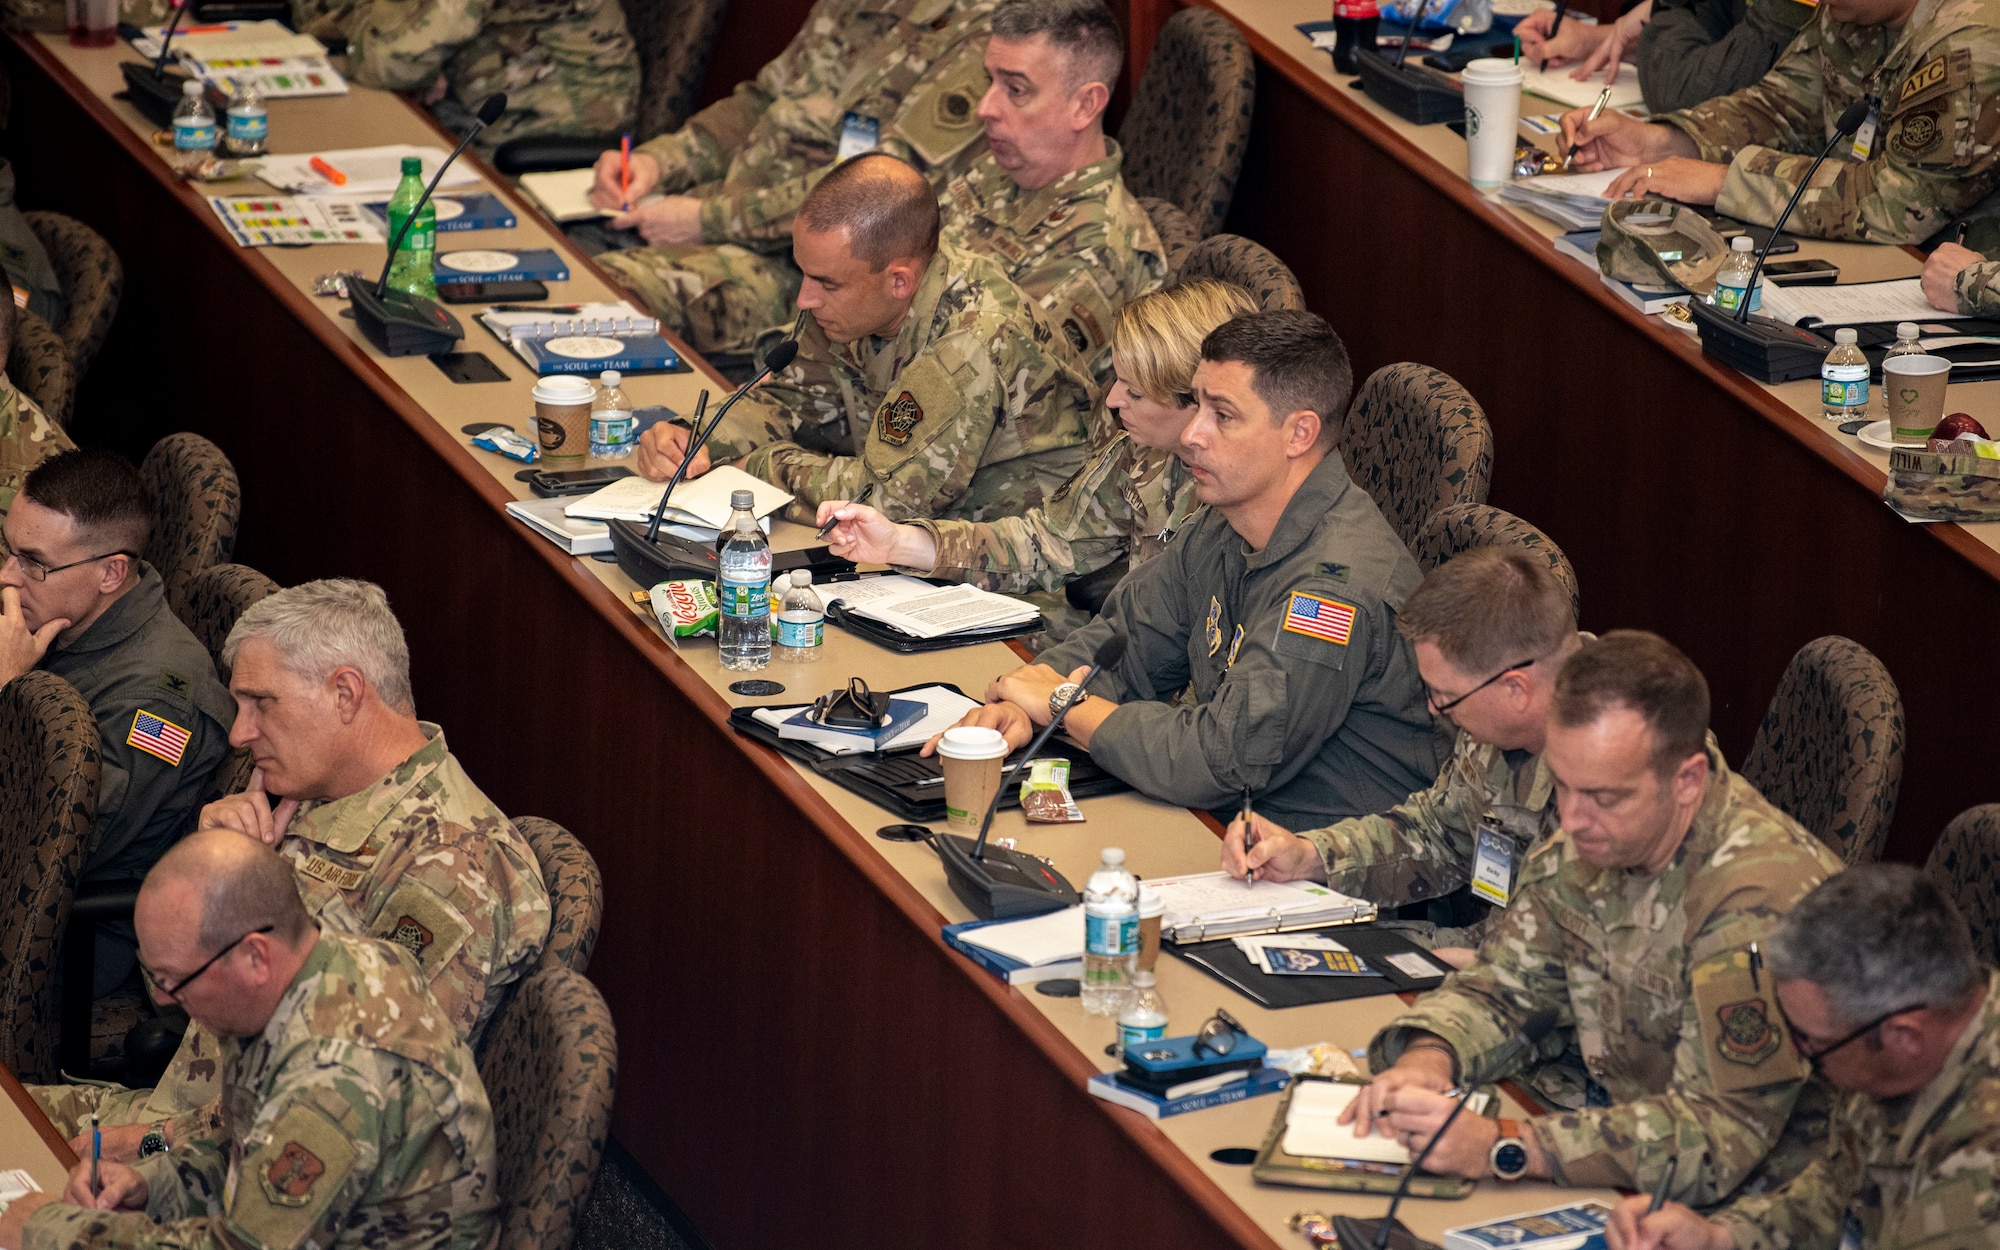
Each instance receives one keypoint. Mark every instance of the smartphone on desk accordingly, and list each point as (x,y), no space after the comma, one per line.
(1802,273)
(491,292)
(576,481)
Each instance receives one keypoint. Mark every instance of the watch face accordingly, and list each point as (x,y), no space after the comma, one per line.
(1510,1159)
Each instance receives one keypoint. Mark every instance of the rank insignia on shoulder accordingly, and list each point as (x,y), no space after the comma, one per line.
(1338,572)
(898,418)
(173,683)
(1329,620)
(158,737)
(1748,1036)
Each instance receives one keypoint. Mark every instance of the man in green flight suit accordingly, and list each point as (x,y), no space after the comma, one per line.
(922,371)
(714,200)
(1638,924)
(76,600)
(357,1117)
(1886,996)
(1491,628)
(1930,70)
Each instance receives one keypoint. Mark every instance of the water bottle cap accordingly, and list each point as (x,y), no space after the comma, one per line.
(742,500)
(1906,329)
(803,577)
(1114,855)
(190,87)
(781,583)
(413,167)
(609,377)
(1844,337)
(1742,243)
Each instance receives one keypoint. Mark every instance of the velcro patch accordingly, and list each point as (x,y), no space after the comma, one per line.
(320,868)
(419,920)
(1747,1035)
(1923,78)
(1317,617)
(289,1182)
(1918,134)
(1741,1030)
(158,737)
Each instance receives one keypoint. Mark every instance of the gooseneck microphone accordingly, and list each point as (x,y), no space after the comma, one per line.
(148,86)
(167,39)
(1354,1234)
(1109,652)
(399,323)
(1849,121)
(782,353)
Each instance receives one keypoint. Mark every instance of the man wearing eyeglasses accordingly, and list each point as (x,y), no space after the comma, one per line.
(357,1116)
(77,601)
(1638,923)
(1886,996)
(1490,629)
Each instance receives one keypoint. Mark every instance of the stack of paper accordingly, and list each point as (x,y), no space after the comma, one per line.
(231,55)
(1574,201)
(369,171)
(1311,1130)
(576,536)
(943,708)
(925,611)
(1052,937)
(1214,904)
(1853,303)
(702,501)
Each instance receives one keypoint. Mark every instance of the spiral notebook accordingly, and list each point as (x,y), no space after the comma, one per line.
(593,338)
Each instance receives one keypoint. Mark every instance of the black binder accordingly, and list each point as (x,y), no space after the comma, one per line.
(1221,960)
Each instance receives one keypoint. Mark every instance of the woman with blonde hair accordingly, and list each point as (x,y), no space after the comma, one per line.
(1125,503)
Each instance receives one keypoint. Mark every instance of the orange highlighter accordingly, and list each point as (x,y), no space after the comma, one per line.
(625,174)
(327,171)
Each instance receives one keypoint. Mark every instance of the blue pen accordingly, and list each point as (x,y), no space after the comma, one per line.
(96,1153)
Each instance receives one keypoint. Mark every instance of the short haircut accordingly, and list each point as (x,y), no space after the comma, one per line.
(1157,338)
(1085,30)
(245,886)
(1633,669)
(1490,607)
(321,626)
(1877,938)
(100,492)
(888,210)
(1299,364)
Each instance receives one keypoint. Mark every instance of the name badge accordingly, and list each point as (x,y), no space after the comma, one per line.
(1493,866)
(858,134)
(1864,138)
(319,868)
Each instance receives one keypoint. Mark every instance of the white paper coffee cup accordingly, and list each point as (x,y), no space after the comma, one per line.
(1492,119)
(972,757)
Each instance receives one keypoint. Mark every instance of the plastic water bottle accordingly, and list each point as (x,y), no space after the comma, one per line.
(744,633)
(1110,936)
(194,126)
(1843,380)
(1906,341)
(802,622)
(1146,1019)
(1732,281)
(612,424)
(781,585)
(412,271)
(247,127)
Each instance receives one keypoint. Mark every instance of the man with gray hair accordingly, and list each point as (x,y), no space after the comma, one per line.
(357,1116)
(1884,994)
(387,835)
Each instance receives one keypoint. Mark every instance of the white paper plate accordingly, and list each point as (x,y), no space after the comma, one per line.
(1876,434)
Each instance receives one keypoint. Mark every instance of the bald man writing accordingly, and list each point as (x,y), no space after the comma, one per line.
(355,1116)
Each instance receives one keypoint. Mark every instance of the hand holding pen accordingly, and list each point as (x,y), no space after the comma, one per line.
(1596,111)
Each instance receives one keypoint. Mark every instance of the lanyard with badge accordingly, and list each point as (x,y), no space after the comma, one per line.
(1493,864)
(1864,138)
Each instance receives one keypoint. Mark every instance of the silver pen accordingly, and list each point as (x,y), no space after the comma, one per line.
(1596,111)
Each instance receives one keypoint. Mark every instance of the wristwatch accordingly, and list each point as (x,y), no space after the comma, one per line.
(1509,1157)
(154,1142)
(1060,697)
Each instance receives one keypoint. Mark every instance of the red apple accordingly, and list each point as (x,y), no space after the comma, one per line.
(1957,425)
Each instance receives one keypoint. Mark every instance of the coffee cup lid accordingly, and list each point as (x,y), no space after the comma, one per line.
(973,742)
(1496,71)
(562,389)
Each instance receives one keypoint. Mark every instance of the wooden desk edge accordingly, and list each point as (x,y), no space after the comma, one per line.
(1794,425)
(33,1113)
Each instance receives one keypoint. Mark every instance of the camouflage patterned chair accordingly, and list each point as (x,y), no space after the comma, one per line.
(39,365)
(1235,259)
(91,276)
(576,893)
(1189,121)
(1416,441)
(1830,750)
(196,505)
(1176,232)
(1965,863)
(550,1064)
(215,598)
(49,758)
(1462,526)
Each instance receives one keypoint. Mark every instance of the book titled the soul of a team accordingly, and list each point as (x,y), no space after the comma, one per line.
(1578,1226)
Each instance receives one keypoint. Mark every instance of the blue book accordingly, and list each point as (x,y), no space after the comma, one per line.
(476,210)
(589,353)
(801,727)
(530,264)
(1579,1226)
(1258,1082)
(1007,968)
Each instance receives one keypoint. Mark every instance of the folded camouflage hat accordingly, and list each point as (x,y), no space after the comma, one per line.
(1659,243)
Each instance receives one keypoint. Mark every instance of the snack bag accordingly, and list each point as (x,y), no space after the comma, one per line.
(686,609)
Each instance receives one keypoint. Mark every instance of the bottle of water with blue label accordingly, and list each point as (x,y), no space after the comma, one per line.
(1110,936)
(1146,1019)
(801,621)
(1732,281)
(612,421)
(194,126)
(743,634)
(247,126)
(1843,380)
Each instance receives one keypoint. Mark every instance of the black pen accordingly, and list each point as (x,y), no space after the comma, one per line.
(1562,7)
(866,491)
(1249,836)
(1961,233)
(1756,965)
(1666,1183)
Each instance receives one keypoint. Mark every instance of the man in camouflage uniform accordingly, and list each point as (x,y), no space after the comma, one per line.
(354,1113)
(568,69)
(1490,629)
(1637,923)
(922,372)
(1927,154)
(76,601)
(1883,990)
(27,436)
(1046,200)
(387,835)
(1274,606)
(898,76)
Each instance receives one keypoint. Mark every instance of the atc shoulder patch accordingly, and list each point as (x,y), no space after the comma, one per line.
(158,737)
(1746,1035)
(1742,1033)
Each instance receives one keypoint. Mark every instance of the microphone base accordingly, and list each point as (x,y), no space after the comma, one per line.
(1415,93)
(670,557)
(1361,1234)
(1004,884)
(401,324)
(1766,349)
(155,98)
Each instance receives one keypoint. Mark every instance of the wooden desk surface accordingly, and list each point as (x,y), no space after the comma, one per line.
(1052,1033)
(28,1141)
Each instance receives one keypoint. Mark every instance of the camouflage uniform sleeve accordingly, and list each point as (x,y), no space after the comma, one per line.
(1781,111)
(27,437)
(1805,1213)
(1519,971)
(1422,848)
(804,391)
(402,45)
(1978,288)
(183,1188)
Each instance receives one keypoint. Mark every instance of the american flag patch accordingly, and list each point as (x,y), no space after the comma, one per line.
(158,737)
(1325,619)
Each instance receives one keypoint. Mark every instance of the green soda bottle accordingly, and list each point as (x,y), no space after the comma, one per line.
(411,270)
